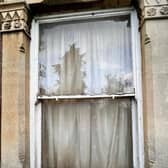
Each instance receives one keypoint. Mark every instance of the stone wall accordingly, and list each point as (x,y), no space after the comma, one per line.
(155,82)
(15,101)
(15,86)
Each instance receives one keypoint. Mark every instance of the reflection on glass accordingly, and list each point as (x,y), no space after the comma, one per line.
(86,58)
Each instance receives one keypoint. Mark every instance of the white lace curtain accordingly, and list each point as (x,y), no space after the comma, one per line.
(95,134)
(86,58)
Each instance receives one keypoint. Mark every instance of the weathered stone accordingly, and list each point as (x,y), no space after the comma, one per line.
(14,17)
(15,90)
(155,82)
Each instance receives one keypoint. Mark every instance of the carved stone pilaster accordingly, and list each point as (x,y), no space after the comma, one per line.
(14,28)
(155,2)
(14,17)
(154,9)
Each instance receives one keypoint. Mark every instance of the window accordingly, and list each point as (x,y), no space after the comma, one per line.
(87,90)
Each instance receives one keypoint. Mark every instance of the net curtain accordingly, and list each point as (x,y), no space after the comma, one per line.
(86,58)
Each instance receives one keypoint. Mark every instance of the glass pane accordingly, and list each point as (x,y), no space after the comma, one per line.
(92,57)
(87,134)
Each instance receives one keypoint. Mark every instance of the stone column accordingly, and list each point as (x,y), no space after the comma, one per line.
(154,31)
(15,85)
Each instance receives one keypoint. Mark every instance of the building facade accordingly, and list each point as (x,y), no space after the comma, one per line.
(31,34)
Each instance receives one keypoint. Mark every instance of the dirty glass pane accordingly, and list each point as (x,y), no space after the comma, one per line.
(88,57)
(87,134)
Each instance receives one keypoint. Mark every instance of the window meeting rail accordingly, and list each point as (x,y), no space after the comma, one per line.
(74,97)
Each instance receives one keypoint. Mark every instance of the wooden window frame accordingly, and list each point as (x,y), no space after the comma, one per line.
(35,106)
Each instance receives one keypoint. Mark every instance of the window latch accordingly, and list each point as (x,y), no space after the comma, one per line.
(113,97)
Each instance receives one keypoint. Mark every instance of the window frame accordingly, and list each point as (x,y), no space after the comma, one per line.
(35,106)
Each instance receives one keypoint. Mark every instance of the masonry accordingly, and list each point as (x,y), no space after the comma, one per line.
(16,18)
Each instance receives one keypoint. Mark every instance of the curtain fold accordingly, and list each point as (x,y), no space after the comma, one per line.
(92,57)
(89,134)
